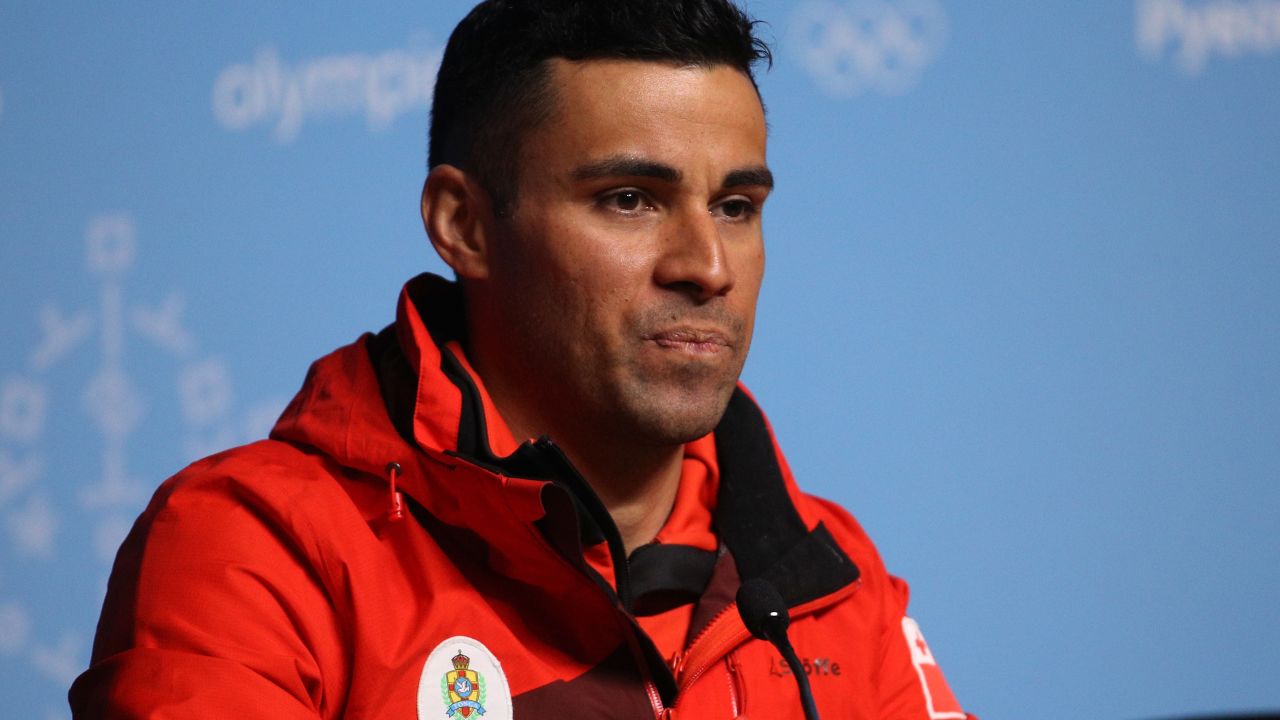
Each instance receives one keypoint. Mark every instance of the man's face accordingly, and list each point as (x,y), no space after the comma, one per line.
(628,270)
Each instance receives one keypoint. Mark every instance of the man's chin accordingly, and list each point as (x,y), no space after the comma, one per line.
(681,417)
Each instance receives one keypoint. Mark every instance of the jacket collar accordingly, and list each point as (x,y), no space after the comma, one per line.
(403,396)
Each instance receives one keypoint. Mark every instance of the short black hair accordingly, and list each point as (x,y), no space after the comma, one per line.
(493,84)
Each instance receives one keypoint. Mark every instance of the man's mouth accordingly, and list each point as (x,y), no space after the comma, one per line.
(692,340)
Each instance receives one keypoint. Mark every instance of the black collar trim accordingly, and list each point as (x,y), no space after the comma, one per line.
(756,519)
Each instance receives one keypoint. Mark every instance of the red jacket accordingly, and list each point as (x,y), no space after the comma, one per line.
(275,581)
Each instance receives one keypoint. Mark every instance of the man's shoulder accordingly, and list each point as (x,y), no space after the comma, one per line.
(269,487)
(265,470)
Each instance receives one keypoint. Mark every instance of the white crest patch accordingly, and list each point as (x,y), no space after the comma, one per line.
(462,680)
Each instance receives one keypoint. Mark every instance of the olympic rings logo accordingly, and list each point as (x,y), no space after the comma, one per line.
(867,45)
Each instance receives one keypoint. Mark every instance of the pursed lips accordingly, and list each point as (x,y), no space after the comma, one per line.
(692,340)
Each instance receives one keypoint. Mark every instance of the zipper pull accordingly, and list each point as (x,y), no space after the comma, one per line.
(396,513)
(737,689)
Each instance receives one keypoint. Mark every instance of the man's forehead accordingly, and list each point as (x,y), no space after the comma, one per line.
(649,118)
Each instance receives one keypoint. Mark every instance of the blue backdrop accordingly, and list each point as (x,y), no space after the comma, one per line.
(1021,315)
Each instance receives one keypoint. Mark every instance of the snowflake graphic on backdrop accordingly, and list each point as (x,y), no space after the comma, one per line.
(31,517)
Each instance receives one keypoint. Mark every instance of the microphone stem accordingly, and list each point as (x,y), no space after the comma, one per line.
(802,678)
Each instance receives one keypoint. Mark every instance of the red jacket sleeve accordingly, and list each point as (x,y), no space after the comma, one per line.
(911,683)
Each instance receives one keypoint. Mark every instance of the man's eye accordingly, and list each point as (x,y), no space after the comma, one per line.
(736,209)
(627,201)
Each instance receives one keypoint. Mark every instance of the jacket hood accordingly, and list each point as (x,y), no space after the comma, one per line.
(342,407)
(401,398)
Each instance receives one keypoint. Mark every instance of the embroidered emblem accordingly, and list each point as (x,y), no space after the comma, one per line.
(463,680)
(462,689)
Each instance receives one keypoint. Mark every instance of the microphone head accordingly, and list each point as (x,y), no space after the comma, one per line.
(763,610)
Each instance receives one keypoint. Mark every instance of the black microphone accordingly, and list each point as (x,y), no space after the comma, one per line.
(765,615)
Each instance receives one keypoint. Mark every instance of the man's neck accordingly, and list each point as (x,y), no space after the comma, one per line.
(638,488)
(637,482)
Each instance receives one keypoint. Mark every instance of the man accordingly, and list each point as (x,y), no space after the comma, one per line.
(538,493)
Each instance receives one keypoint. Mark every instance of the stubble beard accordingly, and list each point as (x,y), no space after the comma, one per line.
(673,415)
(679,400)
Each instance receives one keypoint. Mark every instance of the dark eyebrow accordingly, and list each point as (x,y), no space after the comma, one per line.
(631,166)
(626,166)
(759,176)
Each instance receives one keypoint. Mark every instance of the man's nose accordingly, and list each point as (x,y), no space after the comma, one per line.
(694,258)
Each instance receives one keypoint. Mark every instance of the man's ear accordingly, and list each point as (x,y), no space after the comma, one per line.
(458,217)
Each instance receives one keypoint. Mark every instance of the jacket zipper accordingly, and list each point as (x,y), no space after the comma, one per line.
(655,700)
(726,632)
(722,634)
(660,711)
